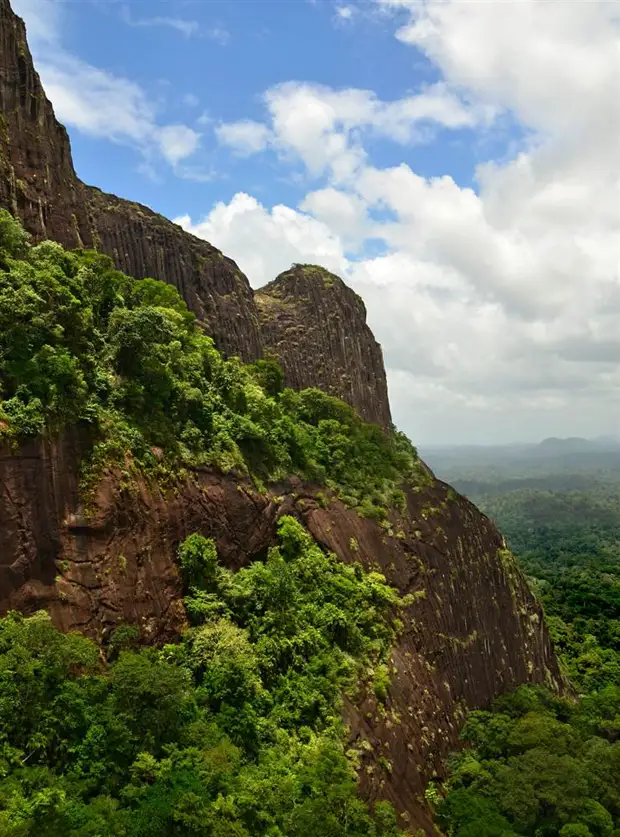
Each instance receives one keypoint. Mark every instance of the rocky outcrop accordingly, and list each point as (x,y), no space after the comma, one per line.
(313,323)
(39,185)
(474,629)
(315,326)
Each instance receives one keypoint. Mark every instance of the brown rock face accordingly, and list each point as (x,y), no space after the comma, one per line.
(473,631)
(316,327)
(38,184)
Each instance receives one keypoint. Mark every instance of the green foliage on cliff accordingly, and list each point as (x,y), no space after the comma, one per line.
(235,732)
(81,342)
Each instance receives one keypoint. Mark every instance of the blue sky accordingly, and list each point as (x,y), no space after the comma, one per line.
(220,65)
(456,162)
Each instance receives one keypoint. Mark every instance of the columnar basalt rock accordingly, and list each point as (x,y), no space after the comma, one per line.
(315,326)
(39,185)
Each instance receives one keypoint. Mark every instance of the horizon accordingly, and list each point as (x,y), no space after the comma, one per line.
(469,196)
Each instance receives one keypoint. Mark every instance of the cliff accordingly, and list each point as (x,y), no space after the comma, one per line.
(38,184)
(473,632)
(316,327)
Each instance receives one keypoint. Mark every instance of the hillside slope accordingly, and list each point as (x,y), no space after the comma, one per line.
(123,431)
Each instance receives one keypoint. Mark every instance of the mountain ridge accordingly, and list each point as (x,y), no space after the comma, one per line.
(38,184)
(473,629)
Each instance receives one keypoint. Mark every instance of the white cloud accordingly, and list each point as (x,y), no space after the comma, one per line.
(177,142)
(498,310)
(219,34)
(96,102)
(244,137)
(188,28)
(323,127)
(191,100)
(43,19)
(345,214)
(345,12)
(272,239)
(185,27)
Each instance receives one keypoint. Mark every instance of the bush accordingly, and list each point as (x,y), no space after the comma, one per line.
(233,732)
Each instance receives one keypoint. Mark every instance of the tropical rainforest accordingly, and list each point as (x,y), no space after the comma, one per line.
(538,765)
(236,730)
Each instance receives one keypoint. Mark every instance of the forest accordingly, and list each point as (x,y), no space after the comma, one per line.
(236,731)
(538,765)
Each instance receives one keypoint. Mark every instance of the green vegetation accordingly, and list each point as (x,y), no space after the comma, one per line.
(540,766)
(81,343)
(569,544)
(235,732)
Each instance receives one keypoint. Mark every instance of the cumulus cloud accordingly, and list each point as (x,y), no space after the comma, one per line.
(272,239)
(325,127)
(245,137)
(97,102)
(177,142)
(499,307)
(344,12)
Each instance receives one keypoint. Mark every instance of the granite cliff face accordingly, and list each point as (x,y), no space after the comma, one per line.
(316,327)
(38,184)
(473,632)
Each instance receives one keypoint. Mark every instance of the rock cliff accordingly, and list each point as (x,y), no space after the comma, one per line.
(38,184)
(473,631)
(316,327)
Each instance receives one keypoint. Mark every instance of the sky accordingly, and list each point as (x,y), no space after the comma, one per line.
(457,162)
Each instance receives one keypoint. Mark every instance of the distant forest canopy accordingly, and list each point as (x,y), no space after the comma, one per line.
(553,464)
(539,766)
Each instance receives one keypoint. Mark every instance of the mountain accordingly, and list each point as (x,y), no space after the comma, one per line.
(38,184)
(471,630)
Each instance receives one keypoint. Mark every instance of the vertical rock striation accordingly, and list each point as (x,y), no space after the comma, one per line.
(38,184)
(308,318)
(316,327)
